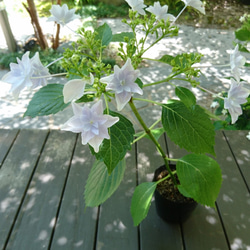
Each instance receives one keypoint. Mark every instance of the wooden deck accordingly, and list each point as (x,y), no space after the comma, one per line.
(42,178)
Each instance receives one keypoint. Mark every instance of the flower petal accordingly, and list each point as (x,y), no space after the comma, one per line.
(73,89)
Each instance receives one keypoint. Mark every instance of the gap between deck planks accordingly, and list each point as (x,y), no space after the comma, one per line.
(42,207)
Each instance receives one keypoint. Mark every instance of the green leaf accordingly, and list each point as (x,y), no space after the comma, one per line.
(112,151)
(188,128)
(167,59)
(186,96)
(243,34)
(184,60)
(104,34)
(47,100)
(121,36)
(100,185)
(141,201)
(139,82)
(200,178)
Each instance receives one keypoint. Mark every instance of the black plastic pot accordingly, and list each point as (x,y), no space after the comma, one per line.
(168,210)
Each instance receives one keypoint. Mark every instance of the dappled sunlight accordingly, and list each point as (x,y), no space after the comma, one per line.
(238,244)
(44,178)
(116,226)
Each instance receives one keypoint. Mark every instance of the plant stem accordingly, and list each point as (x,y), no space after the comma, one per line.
(47,76)
(157,144)
(58,59)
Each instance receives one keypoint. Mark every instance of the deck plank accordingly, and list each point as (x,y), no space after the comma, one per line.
(234,198)
(115,229)
(240,146)
(6,139)
(36,219)
(154,232)
(15,174)
(203,227)
(76,227)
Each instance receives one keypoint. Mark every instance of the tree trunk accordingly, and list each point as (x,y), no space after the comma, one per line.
(10,40)
(31,8)
(56,38)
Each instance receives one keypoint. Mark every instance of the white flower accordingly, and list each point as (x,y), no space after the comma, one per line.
(21,73)
(39,71)
(160,12)
(62,15)
(224,111)
(237,95)
(122,82)
(242,18)
(74,89)
(137,5)
(248,136)
(197,4)
(214,104)
(236,61)
(91,123)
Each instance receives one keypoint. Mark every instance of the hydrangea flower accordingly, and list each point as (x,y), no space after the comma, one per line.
(74,89)
(137,5)
(237,95)
(236,61)
(122,82)
(62,15)
(39,71)
(91,123)
(161,12)
(21,74)
(197,4)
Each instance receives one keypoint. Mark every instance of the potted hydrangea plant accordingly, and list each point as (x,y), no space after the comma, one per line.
(93,85)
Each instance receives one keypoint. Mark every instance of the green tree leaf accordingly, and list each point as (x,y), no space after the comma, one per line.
(112,151)
(189,128)
(141,201)
(100,185)
(200,178)
(104,34)
(120,37)
(47,100)
(186,96)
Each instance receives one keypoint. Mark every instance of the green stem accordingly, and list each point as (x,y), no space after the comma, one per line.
(162,81)
(47,76)
(164,178)
(147,100)
(144,134)
(149,133)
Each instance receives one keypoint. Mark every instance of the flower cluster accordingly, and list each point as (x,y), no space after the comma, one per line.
(26,72)
(93,83)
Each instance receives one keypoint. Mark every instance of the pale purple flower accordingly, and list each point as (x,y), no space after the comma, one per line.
(91,123)
(62,15)
(236,61)
(74,89)
(137,5)
(161,12)
(237,95)
(197,4)
(26,72)
(39,71)
(122,82)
